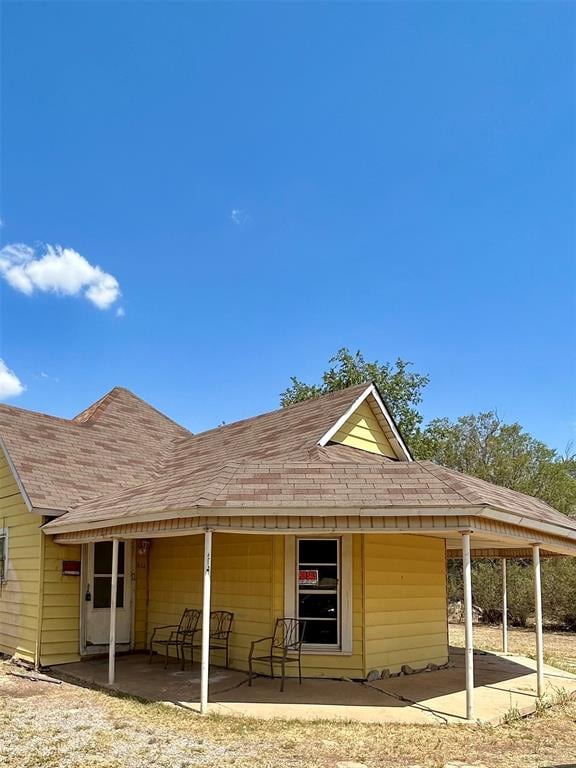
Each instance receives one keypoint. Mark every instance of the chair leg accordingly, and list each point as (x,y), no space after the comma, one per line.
(166,658)
(181,656)
(250,672)
(226,654)
(150,654)
(283,675)
(271,669)
(299,670)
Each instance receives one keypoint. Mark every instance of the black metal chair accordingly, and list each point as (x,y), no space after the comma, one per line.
(220,629)
(285,648)
(179,634)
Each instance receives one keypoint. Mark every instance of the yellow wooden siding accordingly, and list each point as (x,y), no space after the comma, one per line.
(362,430)
(141,562)
(405,601)
(19,593)
(247,579)
(60,634)
(241,583)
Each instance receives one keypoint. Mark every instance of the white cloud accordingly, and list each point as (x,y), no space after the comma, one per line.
(238,216)
(57,270)
(120,312)
(10,384)
(44,375)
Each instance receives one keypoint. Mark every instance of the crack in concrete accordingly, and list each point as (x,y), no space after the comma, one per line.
(406,700)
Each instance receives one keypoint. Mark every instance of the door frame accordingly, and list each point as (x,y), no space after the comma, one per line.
(93,650)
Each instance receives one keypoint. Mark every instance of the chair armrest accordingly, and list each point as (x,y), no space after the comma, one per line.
(255,643)
(165,626)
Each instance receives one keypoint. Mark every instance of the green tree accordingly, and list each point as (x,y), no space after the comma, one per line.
(400,387)
(484,446)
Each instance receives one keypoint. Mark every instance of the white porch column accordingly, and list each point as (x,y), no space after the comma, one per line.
(113,591)
(205,667)
(538,606)
(504,607)
(469,652)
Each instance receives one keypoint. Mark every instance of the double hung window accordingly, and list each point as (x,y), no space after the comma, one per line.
(319,591)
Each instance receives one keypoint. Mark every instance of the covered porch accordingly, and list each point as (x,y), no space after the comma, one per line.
(391,609)
(505,686)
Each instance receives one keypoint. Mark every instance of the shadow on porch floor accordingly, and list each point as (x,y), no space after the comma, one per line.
(503,683)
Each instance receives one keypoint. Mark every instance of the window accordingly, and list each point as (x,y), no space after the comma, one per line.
(319,590)
(103,574)
(3,554)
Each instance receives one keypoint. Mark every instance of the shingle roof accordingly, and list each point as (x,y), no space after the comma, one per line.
(119,441)
(321,483)
(120,459)
(278,435)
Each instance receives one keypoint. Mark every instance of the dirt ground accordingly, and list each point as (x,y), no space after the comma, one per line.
(48,725)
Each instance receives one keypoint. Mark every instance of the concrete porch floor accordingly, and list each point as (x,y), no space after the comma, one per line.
(503,682)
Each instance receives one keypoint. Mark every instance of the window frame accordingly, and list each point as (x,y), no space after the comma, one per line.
(337,591)
(345,618)
(4,572)
(121,579)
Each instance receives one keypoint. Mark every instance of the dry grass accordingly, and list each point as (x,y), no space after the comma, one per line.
(62,726)
(559,647)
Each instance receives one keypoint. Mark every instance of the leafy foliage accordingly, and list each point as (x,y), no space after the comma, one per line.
(483,446)
(400,387)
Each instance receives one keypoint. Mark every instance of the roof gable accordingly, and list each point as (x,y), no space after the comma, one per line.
(363,430)
(369,425)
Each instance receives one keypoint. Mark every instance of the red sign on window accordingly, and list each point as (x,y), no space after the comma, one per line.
(308,578)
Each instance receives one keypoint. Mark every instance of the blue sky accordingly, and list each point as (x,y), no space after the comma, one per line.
(268,182)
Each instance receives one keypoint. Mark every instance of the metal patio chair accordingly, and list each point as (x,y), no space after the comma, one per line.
(177,635)
(285,648)
(220,629)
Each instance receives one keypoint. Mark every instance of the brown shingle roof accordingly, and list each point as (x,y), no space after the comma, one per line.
(286,433)
(119,441)
(319,483)
(120,459)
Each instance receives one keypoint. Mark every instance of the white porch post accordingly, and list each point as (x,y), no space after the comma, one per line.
(504,607)
(113,591)
(469,653)
(205,667)
(538,605)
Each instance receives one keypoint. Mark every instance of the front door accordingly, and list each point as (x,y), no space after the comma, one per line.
(98,591)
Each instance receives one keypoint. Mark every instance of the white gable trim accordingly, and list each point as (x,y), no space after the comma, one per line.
(16,476)
(400,448)
(386,413)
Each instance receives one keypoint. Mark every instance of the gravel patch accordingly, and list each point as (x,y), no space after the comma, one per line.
(44,725)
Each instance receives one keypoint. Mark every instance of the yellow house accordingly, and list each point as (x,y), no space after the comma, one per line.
(315,511)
